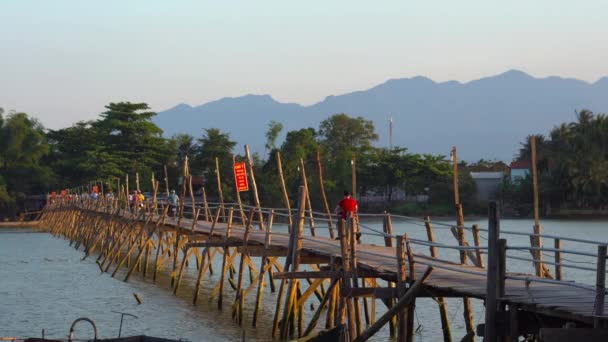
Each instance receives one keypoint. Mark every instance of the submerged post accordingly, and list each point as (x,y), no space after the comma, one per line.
(490,333)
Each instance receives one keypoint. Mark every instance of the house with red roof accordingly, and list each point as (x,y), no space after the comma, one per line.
(519,170)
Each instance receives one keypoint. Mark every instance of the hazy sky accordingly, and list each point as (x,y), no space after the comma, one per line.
(62,61)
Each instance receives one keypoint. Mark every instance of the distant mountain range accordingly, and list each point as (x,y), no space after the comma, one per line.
(485,118)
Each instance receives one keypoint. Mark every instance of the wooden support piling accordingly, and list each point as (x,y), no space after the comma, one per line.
(557,244)
(443,310)
(388,242)
(411,279)
(468,311)
(492,295)
(263,263)
(477,241)
(600,287)
(403,302)
(402,315)
(289,308)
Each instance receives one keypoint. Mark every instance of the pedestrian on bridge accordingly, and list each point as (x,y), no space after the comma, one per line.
(173,202)
(347,208)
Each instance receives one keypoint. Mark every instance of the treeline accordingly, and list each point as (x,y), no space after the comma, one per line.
(124,141)
(572,166)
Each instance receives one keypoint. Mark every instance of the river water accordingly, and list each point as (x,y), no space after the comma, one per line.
(44,284)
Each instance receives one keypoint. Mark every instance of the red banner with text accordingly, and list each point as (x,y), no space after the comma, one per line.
(240,177)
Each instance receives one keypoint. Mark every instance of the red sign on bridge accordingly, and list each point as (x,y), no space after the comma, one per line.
(240,177)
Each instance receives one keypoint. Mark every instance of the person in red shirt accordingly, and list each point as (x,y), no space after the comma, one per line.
(346,206)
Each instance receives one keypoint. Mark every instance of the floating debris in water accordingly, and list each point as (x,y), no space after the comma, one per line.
(137,298)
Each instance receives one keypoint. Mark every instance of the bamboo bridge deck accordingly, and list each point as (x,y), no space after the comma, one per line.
(536,304)
(448,279)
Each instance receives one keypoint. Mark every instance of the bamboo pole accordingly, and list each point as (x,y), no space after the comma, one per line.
(443,310)
(127,192)
(206,205)
(166,180)
(541,269)
(387,226)
(402,315)
(225,257)
(403,301)
(353,268)
(256,198)
(558,258)
(323,196)
(311,220)
(190,189)
(179,220)
(149,237)
(477,241)
(239,301)
(600,287)
(412,278)
(263,267)
(322,305)
(284,190)
(345,314)
(219,184)
(468,311)
(289,310)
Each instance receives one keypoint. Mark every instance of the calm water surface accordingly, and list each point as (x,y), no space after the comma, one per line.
(44,284)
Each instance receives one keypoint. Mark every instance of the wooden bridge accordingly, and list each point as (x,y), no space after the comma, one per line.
(343,276)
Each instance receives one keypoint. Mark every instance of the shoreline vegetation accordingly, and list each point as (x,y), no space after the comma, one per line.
(123,141)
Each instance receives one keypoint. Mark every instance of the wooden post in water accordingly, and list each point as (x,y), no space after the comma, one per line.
(401,290)
(323,196)
(345,309)
(443,309)
(600,287)
(557,243)
(352,238)
(263,267)
(491,324)
(387,227)
(412,278)
(225,257)
(468,311)
(536,240)
(477,240)
(459,211)
(277,311)
(289,308)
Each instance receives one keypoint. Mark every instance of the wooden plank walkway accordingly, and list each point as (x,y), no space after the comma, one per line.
(557,300)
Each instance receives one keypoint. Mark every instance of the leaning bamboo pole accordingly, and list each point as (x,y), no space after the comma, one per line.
(540,268)
(311,219)
(256,197)
(468,310)
(323,196)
